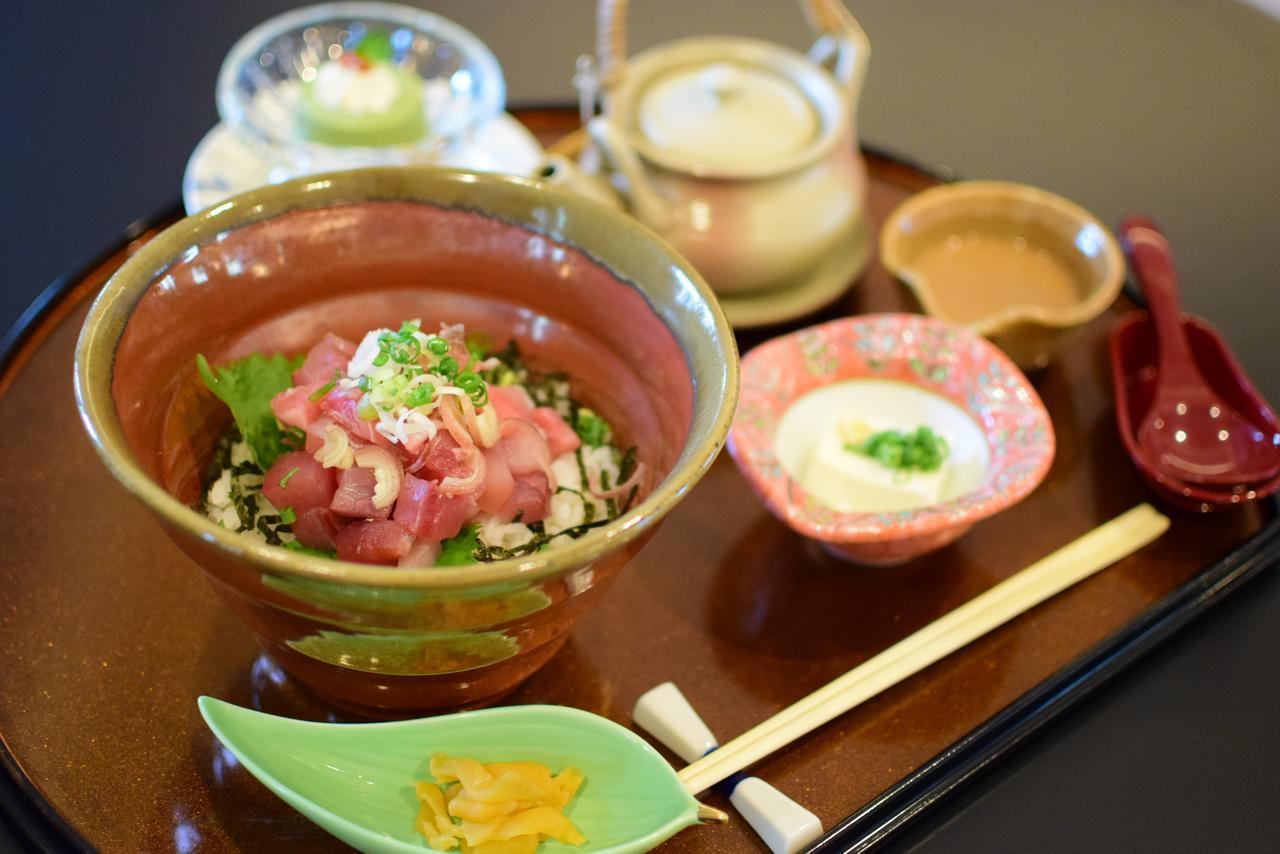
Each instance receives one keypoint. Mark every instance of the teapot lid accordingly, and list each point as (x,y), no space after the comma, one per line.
(728,107)
(730,112)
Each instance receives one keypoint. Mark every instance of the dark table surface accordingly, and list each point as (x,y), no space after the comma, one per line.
(1167,108)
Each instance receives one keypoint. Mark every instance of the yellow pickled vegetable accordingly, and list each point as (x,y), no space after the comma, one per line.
(495,808)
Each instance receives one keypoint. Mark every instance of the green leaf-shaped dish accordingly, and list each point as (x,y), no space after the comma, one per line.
(356,780)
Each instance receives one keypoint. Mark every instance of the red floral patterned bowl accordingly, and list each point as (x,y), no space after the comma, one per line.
(919,351)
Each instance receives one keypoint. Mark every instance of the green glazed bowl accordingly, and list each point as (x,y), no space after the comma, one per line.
(580,286)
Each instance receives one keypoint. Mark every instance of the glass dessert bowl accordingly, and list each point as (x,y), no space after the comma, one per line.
(341,85)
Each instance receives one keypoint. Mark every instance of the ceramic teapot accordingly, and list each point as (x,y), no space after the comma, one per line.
(740,152)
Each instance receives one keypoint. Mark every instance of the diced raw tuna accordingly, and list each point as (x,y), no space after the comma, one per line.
(318,528)
(373,541)
(311,485)
(323,360)
(426,512)
(561,438)
(529,499)
(444,458)
(294,406)
(341,405)
(315,433)
(511,401)
(354,497)
(525,447)
(498,482)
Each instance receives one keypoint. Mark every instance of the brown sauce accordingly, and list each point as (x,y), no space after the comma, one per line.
(975,275)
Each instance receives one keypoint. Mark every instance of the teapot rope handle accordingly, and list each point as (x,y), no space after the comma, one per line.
(841,41)
(611,42)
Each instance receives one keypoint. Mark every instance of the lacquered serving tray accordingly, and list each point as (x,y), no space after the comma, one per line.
(108,634)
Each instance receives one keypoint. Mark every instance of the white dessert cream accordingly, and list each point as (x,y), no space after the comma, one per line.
(355,90)
(815,434)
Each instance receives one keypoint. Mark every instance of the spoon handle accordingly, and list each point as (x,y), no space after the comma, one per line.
(784,825)
(1152,260)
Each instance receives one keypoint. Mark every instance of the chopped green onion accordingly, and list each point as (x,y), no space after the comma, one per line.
(438,346)
(380,359)
(420,396)
(326,388)
(922,450)
(405,350)
(447,367)
(288,476)
(288,515)
(591,428)
(478,344)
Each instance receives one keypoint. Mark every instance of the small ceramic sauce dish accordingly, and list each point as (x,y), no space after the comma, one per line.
(1014,263)
(812,401)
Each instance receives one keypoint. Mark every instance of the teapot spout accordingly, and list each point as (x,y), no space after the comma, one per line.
(558,171)
(642,198)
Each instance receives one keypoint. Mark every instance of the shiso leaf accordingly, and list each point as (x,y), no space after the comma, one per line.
(460,550)
(246,387)
(375,47)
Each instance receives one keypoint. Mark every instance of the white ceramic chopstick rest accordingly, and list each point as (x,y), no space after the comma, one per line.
(784,825)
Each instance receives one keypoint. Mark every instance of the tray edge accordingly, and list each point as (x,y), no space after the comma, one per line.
(965,760)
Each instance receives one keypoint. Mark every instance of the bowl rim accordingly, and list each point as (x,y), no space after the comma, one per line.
(848,528)
(706,340)
(1102,295)
(492,99)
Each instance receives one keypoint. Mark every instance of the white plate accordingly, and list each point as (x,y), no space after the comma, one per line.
(223,165)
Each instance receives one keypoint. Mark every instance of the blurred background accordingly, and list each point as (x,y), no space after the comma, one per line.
(1170,108)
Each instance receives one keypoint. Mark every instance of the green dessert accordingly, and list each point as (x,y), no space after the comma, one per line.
(362,98)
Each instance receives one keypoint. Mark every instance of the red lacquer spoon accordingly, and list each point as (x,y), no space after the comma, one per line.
(1190,431)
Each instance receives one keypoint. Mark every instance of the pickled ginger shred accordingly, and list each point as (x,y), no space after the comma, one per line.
(495,808)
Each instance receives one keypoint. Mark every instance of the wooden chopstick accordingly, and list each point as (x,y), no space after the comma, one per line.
(1048,576)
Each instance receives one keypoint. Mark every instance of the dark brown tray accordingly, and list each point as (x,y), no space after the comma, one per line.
(108,634)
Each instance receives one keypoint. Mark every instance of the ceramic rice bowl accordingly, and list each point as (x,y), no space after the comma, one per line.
(580,287)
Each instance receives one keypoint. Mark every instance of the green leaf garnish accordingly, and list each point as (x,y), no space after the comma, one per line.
(591,428)
(460,550)
(246,387)
(375,47)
